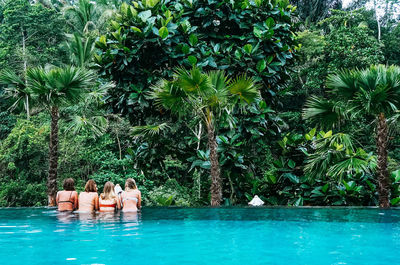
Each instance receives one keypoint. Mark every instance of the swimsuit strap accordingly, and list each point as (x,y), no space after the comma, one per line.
(69,200)
(130,199)
(108,205)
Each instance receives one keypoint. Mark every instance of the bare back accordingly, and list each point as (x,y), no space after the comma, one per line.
(67,200)
(88,201)
(131,200)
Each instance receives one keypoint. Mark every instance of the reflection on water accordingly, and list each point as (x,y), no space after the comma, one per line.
(94,217)
(200,236)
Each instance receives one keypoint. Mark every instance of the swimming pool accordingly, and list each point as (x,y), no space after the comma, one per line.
(201,236)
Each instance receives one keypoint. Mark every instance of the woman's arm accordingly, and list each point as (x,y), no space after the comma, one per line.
(96,202)
(57,199)
(139,203)
(76,201)
(118,203)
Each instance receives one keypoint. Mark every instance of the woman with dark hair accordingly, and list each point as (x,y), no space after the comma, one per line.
(67,199)
(89,199)
(131,197)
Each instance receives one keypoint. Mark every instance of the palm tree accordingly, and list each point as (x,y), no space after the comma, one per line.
(373,93)
(207,97)
(16,89)
(53,88)
(89,15)
(81,49)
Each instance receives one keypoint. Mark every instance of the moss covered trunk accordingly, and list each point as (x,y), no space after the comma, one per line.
(53,158)
(216,189)
(382,163)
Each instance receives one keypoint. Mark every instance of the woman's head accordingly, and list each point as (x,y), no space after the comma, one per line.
(90,186)
(130,184)
(108,191)
(69,184)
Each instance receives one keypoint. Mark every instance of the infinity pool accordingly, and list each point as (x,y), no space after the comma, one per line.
(201,236)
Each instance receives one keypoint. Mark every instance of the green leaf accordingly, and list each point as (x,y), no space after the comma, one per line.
(163,32)
(328,134)
(115,25)
(192,60)
(270,22)
(248,48)
(261,65)
(293,178)
(257,32)
(193,40)
(395,201)
(291,163)
(144,15)
(185,49)
(325,187)
(238,54)
(299,202)
(312,132)
(136,29)
(271,179)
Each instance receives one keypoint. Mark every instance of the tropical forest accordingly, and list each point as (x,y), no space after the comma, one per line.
(202,102)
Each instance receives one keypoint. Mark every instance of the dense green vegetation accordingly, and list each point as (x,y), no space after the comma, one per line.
(289,101)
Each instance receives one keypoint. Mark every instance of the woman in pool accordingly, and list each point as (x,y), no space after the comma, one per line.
(89,199)
(67,199)
(131,197)
(109,201)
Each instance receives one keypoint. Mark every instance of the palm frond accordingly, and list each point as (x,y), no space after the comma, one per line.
(95,125)
(56,86)
(149,130)
(169,96)
(219,92)
(192,81)
(324,112)
(344,84)
(246,89)
(15,88)
(10,78)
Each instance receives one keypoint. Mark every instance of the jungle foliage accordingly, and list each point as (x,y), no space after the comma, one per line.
(121,128)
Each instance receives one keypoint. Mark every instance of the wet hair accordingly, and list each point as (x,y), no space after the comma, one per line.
(108,191)
(69,184)
(130,184)
(90,186)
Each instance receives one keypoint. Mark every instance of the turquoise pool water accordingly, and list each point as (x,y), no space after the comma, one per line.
(201,236)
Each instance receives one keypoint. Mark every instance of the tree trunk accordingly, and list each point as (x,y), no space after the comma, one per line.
(25,70)
(53,158)
(383,174)
(377,20)
(216,189)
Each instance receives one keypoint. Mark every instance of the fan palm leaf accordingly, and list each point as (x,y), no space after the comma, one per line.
(149,130)
(169,96)
(244,88)
(15,88)
(192,81)
(343,83)
(326,112)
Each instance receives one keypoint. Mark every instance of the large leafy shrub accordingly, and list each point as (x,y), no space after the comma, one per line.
(147,39)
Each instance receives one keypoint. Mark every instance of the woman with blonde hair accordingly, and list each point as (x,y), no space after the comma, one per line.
(131,197)
(89,199)
(109,201)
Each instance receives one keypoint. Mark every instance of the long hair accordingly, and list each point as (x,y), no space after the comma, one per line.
(108,191)
(69,184)
(130,184)
(90,186)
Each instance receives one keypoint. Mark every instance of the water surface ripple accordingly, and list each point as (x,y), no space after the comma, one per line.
(201,236)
